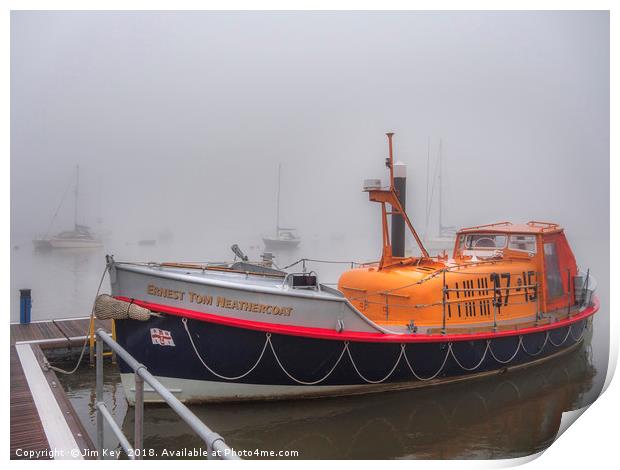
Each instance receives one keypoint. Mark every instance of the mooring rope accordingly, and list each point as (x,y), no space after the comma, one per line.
(90,320)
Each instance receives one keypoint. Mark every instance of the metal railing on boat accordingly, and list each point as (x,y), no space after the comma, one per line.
(216,447)
(493,293)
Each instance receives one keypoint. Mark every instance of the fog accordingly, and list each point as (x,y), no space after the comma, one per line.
(179,120)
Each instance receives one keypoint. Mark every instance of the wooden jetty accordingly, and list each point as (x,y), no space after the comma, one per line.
(43,423)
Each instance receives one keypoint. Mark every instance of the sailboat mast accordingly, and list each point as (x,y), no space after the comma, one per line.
(77,185)
(427,209)
(440,190)
(278,202)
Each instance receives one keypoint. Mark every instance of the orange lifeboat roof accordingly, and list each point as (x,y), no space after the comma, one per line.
(508,227)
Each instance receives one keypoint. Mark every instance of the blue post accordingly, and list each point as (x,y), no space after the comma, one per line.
(25,305)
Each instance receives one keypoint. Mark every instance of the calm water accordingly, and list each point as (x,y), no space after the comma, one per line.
(511,415)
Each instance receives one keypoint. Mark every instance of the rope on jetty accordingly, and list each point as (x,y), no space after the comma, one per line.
(92,315)
(402,354)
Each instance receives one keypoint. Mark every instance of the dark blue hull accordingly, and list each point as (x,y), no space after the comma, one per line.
(200,351)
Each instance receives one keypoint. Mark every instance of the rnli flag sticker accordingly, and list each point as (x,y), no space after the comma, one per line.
(161,337)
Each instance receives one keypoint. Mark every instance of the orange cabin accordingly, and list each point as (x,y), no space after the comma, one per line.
(501,272)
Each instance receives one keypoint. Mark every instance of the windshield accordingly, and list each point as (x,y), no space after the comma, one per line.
(482,241)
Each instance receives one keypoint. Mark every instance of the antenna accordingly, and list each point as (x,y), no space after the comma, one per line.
(428,175)
(440,189)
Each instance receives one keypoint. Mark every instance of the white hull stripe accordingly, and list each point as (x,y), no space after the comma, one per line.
(190,390)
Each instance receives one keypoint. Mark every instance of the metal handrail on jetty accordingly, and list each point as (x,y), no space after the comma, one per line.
(216,447)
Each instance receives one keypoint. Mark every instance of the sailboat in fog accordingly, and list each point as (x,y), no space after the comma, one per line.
(444,239)
(284,238)
(79,237)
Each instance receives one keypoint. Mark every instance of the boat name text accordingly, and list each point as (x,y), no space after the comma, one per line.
(222,302)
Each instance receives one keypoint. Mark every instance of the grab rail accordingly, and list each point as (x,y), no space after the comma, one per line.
(216,447)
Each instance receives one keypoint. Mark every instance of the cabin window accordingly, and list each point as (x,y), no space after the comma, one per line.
(482,241)
(523,243)
(552,271)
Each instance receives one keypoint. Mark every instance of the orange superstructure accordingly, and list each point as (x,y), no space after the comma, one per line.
(498,274)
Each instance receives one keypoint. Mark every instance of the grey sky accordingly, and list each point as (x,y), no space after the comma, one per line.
(180,118)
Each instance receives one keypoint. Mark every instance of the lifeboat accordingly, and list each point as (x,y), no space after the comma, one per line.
(508,296)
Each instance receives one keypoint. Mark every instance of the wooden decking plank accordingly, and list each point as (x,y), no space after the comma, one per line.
(34,331)
(27,431)
(73,328)
(54,329)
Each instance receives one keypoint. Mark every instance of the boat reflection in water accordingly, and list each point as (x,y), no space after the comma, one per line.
(511,415)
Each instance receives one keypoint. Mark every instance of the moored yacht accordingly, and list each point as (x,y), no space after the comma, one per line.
(79,237)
